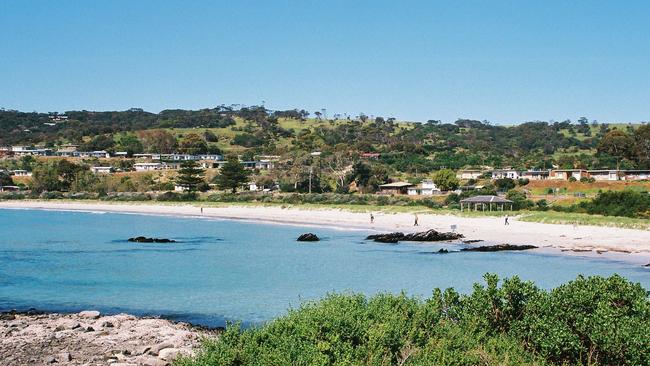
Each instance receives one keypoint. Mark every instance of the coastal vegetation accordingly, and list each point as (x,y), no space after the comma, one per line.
(587,321)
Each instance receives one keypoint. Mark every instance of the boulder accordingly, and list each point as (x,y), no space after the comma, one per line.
(432,235)
(143,239)
(429,235)
(169,354)
(390,238)
(308,237)
(498,248)
(90,314)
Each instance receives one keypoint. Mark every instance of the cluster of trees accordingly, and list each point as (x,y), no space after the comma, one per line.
(588,321)
(154,141)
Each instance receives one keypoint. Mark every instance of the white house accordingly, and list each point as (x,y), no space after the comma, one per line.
(145,167)
(606,174)
(426,188)
(505,173)
(100,169)
(22,173)
(469,174)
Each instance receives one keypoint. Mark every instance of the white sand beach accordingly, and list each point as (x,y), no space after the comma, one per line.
(625,244)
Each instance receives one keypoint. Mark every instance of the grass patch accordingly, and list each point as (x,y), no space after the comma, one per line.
(552,217)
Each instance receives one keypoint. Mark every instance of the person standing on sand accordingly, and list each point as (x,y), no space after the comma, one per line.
(507,223)
(372,218)
(416,221)
(201,210)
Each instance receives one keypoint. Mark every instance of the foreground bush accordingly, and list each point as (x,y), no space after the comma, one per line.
(589,321)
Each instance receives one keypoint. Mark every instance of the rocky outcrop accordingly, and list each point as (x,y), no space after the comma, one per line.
(143,239)
(498,248)
(386,238)
(429,236)
(308,237)
(84,339)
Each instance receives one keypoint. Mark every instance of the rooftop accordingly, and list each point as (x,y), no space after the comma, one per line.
(485,199)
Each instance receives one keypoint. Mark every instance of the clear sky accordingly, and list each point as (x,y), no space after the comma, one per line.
(504,61)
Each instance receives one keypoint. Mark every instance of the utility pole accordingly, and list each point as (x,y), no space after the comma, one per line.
(311,171)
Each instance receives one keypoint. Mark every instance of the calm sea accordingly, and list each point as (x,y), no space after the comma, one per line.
(228,270)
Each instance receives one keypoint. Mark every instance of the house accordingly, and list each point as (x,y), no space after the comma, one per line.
(636,174)
(395,188)
(9,188)
(145,167)
(536,174)
(505,173)
(21,173)
(25,151)
(426,188)
(120,154)
(469,174)
(606,174)
(101,169)
(566,174)
(100,154)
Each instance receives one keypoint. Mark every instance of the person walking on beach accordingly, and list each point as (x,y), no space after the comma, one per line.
(372,218)
(416,221)
(507,223)
(201,210)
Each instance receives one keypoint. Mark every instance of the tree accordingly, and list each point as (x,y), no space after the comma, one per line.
(193,144)
(45,177)
(158,141)
(5,179)
(190,176)
(231,175)
(446,180)
(99,143)
(361,174)
(642,146)
(618,144)
(129,143)
(504,184)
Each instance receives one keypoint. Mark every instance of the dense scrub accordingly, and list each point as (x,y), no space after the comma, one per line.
(588,321)
(614,203)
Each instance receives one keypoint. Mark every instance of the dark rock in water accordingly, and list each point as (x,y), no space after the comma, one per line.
(647,265)
(442,251)
(498,248)
(429,235)
(308,237)
(386,238)
(142,239)
(432,235)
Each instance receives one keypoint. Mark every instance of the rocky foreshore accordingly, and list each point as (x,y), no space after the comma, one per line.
(88,338)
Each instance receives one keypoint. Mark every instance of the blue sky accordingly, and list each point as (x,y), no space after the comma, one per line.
(504,61)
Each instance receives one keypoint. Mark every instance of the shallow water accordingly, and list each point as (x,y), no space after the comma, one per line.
(231,270)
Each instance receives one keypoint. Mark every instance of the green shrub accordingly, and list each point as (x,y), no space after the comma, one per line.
(588,321)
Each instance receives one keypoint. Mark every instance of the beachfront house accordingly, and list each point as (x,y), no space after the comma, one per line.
(505,173)
(397,188)
(606,174)
(426,188)
(469,174)
(536,174)
(566,174)
(485,203)
(636,174)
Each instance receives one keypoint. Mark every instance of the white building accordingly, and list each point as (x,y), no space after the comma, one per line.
(469,174)
(426,188)
(21,173)
(145,167)
(505,173)
(101,169)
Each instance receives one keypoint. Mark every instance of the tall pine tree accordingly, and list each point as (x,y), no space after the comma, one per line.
(190,175)
(231,175)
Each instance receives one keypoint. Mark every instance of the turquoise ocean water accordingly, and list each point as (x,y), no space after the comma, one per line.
(224,270)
